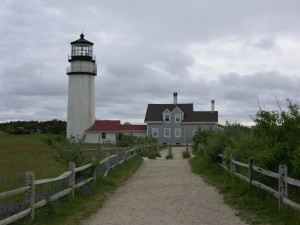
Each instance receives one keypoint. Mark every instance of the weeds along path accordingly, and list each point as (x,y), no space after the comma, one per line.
(165,192)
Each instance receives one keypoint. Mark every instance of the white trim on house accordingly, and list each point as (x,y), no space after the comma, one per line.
(177,134)
(178,116)
(167,132)
(167,117)
(153,131)
(179,109)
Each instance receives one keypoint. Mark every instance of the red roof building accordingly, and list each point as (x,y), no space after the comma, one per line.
(110,131)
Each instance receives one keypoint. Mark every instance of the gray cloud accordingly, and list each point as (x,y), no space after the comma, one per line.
(142,55)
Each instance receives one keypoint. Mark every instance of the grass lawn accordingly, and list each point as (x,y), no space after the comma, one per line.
(21,153)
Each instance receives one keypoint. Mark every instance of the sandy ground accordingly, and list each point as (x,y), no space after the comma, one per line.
(165,192)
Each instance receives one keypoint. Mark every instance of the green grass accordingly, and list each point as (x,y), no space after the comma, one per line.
(21,153)
(186,155)
(255,206)
(169,156)
(87,200)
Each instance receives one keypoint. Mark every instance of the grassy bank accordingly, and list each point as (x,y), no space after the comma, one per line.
(88,199)
(253,205)
(21,153)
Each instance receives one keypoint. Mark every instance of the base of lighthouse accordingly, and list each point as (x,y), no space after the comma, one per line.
(81,104)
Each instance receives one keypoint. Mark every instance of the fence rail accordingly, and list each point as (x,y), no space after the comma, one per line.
(29,190)
(283,180)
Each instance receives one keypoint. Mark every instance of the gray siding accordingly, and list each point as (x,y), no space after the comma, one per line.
(187,129)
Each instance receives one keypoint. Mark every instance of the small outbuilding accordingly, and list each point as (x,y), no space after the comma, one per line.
(111,131)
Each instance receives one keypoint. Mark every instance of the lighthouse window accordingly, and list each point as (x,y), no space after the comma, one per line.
(82,50)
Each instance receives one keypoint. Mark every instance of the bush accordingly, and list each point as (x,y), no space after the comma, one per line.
(186,155)
(201,137)
(68,150)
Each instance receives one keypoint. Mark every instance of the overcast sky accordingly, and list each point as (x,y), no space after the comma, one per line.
(242,54)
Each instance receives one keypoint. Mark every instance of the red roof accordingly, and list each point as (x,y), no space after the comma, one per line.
(133,127)
(105,125)
(114,126)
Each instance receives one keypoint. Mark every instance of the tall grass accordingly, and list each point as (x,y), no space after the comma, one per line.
(21,153)
(87,200)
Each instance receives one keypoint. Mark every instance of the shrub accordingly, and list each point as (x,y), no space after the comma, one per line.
(186,155)
(169,156)
(68,150)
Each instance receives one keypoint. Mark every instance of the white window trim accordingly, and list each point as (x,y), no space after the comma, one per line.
(194,132)
(165,129)
(165,114)
(176,135)
(178,116)
(154,130)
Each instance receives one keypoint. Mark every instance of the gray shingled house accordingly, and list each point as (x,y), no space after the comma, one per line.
(177,123)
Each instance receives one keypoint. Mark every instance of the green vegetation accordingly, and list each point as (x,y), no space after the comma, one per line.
(34,127)
(272,142)
(253,205)
(130,140)
(69,150)
(21,153)
(152,154)
(87,200)
(170,155)
(186,155)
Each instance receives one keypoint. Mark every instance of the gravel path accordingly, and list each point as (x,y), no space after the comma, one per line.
(165,192)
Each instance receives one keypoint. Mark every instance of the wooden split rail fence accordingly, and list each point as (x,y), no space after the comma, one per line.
(99,169)
(282,176)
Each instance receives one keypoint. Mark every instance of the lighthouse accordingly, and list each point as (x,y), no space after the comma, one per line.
(81,90)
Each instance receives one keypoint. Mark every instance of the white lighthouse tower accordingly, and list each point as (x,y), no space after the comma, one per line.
(81,92)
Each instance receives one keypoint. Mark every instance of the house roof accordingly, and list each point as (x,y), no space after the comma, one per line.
(105,125)
(155,113)
(133,127)
(114,126)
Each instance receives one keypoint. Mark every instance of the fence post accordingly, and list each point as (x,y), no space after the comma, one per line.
(187,147)
(224,159)
(232,166)
(251,171)
(282,187)
(170,149)
(71,180)
(30,194)
(94,174)
(157,148)
(118,153)
(107,166)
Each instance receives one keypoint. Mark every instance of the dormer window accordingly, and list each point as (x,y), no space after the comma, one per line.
(167,118)
(178,118)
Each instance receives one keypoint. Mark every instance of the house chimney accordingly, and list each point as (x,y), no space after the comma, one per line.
(175,98)
(212,105)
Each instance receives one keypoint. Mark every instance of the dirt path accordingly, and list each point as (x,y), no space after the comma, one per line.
(165,192)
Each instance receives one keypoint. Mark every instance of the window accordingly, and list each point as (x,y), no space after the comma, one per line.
(194,132)
(103,135)
(177,132)
(167,117)
(154,132)
(167,132)
(177,118)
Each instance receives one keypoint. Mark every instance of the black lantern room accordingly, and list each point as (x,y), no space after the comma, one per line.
(82,49)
